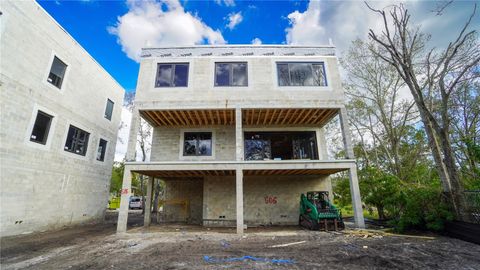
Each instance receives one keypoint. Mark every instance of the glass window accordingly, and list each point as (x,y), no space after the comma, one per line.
(57,72)
(77,141)
(109,109)
(280,145)
(102,147)
(231,74)
(301,74)
(41,128)
(197,144)
(172,75)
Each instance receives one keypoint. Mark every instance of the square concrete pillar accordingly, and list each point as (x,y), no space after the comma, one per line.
(124,201)
(132,136)
(239,201)
(347,137)
(354,187)
(356,199)
(148,202)
(238,134)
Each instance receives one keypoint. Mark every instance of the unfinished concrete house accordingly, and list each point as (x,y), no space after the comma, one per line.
(238,132)
(60,112)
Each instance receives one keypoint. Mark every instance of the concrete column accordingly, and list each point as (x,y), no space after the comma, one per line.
(354,188)
(124,201)
(132,136)
(238,134)
(239,195)
(356,199)
(148,202)
(347,137)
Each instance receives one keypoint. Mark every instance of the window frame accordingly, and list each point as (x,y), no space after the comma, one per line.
(172,78)
(312,63)
(50,72)
(291,133)
(73,151)
(197,143)
(111,112)
(47,129)
(230,71)
(104,150)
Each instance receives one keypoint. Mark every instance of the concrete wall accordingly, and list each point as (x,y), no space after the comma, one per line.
(167,144)
(42,186)
(268,200)
(262,89)
(179,191)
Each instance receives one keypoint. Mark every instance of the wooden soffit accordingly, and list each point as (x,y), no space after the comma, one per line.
(284,117)
(250,117)
(190,118)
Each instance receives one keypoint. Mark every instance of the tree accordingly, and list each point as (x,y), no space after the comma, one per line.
(377,111)
(144,136)
(117,177)
(433,78)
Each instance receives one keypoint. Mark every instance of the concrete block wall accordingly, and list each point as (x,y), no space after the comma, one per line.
(268,200)
(178,191)
(167,144)
(262,89)
(44,187)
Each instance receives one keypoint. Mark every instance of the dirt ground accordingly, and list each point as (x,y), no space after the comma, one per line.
(193,247)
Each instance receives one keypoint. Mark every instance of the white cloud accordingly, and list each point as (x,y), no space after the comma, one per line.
(256,41)
(160,23)
(234,19)
(305,27)
(341,21)
(228,3)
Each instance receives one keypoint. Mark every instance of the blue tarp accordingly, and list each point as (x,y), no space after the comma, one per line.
(247,258)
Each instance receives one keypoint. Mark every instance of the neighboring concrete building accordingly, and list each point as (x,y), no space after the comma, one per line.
(60,112)
(238,132)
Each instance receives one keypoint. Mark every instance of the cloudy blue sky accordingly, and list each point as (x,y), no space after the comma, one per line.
(114,31)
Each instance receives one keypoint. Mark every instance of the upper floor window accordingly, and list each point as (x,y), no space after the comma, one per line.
(197,144)
(231,74)
(77,141)
(57,72)
(301,74)
(109,109)
(172,75)
(102,148)
(41,128)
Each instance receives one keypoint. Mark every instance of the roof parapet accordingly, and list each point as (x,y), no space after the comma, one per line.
(238,50)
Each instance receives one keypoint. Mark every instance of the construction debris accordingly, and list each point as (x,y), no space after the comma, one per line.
(288,244)
(381,234)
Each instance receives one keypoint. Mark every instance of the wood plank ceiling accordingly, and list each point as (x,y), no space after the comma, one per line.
(250,117)
(280,117)
(189,118)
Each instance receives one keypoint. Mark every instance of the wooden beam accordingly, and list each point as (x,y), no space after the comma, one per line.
(299,116)
(205,117)
(179,117)
(285,117)
(219,119)
(160,118)
(278,117)
(198,117)
(272,117)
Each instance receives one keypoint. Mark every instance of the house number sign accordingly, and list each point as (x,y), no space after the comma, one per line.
(270,199)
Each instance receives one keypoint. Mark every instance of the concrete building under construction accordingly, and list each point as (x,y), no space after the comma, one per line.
(238,132)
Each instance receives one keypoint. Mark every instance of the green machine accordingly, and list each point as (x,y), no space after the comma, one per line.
(317,213)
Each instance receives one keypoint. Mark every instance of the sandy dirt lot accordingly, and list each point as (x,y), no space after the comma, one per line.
(190,247)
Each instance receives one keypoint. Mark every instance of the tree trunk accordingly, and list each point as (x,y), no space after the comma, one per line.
(381,212)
